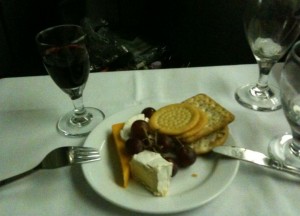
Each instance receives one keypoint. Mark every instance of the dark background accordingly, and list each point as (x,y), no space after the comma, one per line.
(201,32)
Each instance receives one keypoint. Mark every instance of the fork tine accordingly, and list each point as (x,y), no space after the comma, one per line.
(84,149)
(86,152)
(84,155)
(86,160)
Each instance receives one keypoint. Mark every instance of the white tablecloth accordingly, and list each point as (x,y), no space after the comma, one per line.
(31,106)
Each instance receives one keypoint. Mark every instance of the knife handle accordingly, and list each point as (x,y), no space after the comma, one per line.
(285,168)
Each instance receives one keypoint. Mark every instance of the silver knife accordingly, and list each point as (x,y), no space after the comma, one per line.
(256,158)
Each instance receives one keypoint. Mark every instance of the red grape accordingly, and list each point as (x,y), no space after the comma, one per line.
(140,129)
(134,146)
(165,143)
(186,156)
(175,165)
(148,112)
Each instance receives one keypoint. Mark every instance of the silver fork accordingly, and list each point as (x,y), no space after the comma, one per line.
(60,157)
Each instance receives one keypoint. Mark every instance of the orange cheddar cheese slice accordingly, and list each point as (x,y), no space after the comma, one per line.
(123,157)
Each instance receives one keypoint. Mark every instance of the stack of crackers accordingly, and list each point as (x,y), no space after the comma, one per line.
(198,121)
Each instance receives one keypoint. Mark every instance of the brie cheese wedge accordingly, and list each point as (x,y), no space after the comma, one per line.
(153,171)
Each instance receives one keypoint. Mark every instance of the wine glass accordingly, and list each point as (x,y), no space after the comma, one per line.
(287,147)
(271,27)
(66,59)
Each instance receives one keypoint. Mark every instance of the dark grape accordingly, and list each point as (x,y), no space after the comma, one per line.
(174,169)
(186,156)
(140,129)
(148,112)
(148,143)
(134,146)
(165,143)
(175,166)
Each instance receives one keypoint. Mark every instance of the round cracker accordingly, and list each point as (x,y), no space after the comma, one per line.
(190,133)
(175,119)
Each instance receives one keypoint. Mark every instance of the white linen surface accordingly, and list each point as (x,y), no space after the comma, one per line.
(31,106)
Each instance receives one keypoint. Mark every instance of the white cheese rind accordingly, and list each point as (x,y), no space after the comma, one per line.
(153,171)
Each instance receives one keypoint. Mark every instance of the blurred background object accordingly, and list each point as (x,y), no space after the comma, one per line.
(171,33)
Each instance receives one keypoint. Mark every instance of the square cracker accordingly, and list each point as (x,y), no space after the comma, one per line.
(218,117)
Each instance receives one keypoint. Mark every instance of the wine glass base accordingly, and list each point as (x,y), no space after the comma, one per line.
(279,150)
(66,127)
(248,97)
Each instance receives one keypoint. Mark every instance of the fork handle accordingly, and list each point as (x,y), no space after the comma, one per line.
(18,176)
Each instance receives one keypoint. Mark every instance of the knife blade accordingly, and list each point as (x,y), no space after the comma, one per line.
(255,157)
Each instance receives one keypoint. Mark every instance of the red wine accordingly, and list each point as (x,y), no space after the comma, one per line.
(68,66)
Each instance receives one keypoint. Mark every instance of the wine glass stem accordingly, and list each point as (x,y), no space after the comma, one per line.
(295,144)
(264,70)
(78,106)
(80,117)
(261,89)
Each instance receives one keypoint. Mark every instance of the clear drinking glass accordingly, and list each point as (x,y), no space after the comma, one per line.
(66,59)
(271,27)
(287,147)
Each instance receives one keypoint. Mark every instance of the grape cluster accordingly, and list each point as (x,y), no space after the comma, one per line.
(142,137)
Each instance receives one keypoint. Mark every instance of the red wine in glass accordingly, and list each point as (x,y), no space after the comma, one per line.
(68,66)
(66,59)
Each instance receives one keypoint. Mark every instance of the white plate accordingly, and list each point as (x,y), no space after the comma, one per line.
(191,187)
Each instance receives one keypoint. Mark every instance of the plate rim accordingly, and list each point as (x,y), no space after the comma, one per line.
(191,205)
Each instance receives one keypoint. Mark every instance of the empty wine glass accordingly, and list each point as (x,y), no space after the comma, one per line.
(287,147)
(66,59)
(271,27)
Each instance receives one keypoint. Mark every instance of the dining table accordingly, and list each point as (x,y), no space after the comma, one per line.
(30,107)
